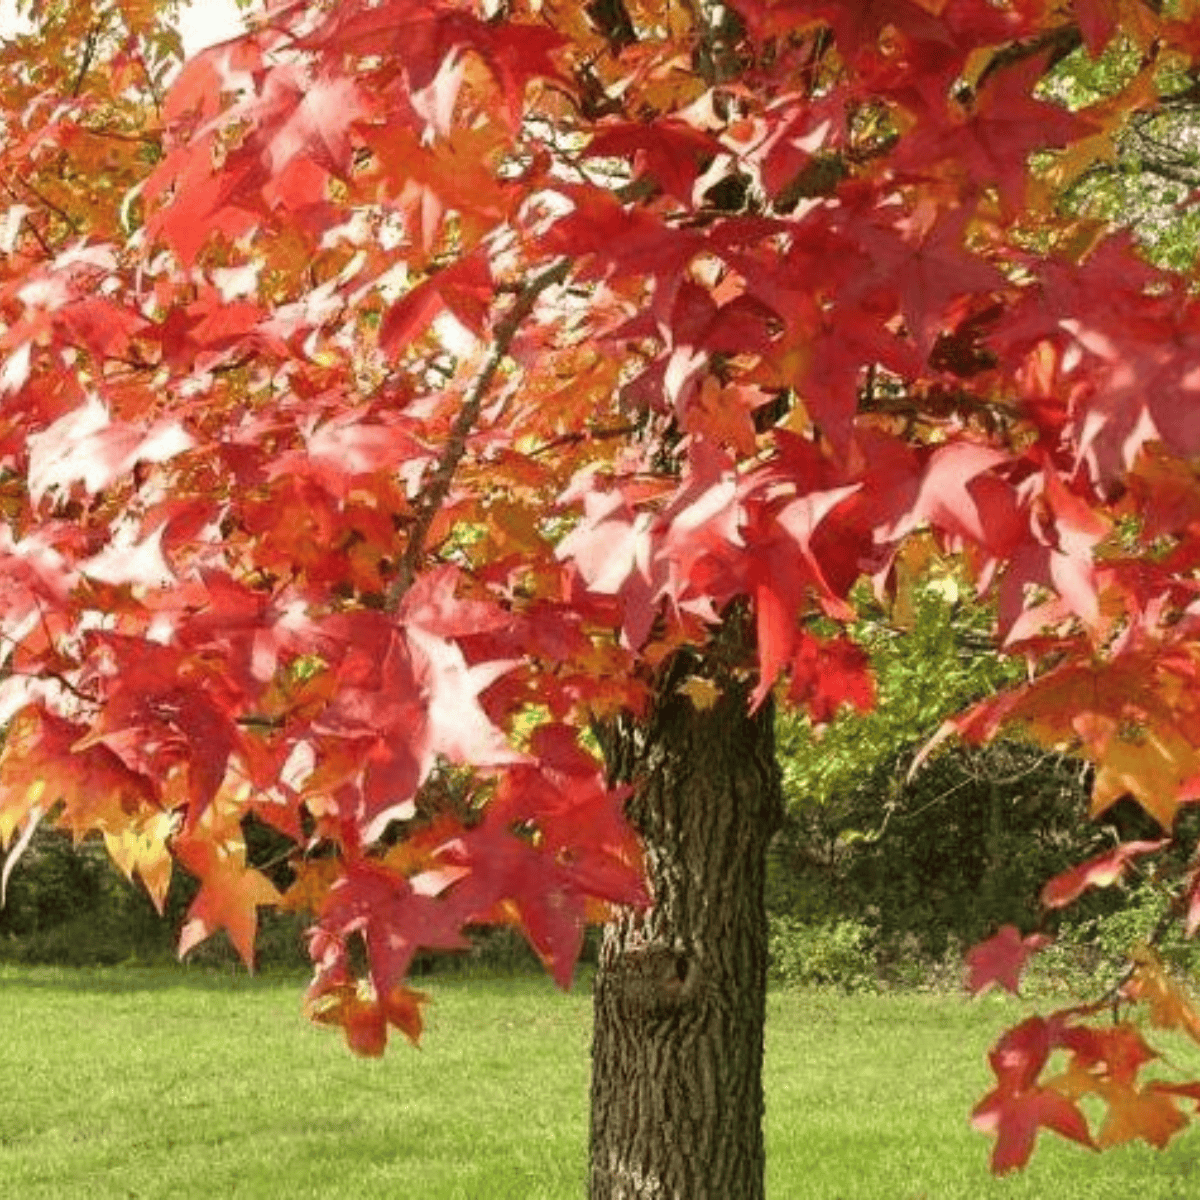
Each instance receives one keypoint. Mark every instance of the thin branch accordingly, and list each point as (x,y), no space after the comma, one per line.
(140,139)
(612,20)
(719,29)
(235,365)
(434,494)
(258,722)
(89,53)
(1060,41)
(74,225)
(33,229)
(151,83)
(1166,170)
(584,435)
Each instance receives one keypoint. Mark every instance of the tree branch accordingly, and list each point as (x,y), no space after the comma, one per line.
(1060,41)
(585,435)
(47,249)
(69,220)
(89,53)
(434,494)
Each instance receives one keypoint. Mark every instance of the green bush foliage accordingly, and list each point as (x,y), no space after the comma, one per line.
(829,953)
(940,860)
(1088,955)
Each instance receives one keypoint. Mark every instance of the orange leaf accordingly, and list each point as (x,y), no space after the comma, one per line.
(1144,1113)
(359,1015)
(1160,768)
(1189,1090)
(1170,1007)
(364,1020)
(229,896)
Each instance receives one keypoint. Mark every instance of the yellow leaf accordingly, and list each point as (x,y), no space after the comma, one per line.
(912,563)
(141,850)
(703,693)
(314,878)
(1154,769)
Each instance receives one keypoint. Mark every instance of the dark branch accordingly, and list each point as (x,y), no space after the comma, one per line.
(89,53)
(434,494)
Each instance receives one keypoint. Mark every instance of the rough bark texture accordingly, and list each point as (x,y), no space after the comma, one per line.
(680,994)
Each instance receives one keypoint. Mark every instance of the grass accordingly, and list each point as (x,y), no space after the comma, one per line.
(146,1083)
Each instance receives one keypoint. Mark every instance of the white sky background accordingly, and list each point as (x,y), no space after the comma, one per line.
(203,22)
(207,21)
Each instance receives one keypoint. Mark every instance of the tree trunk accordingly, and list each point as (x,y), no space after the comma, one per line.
(680,993)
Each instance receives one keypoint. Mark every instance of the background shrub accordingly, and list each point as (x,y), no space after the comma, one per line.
(941,859)
(831,953)
(68,905)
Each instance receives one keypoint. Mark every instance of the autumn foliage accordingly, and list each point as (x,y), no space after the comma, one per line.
(388,392)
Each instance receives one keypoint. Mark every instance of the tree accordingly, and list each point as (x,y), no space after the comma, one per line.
(408,398)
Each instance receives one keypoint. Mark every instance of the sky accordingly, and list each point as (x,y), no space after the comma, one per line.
(204,22)
(207,21)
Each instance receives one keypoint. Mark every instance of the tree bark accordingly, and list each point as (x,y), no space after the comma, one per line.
(680,992)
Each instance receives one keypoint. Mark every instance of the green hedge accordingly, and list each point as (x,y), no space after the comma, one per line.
(69,906)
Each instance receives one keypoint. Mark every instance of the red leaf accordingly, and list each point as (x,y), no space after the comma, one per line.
(946,498)
(431,604)
(776,633)
(917,267)
(580,846)
(785,571)
(229,897)
(393,919)
(994,138)
(459,729)
(1098,21)
(346,448)
(464,288)
(669,151)
(307,117)
(88,447)
(1015,1118)
(1101,871)
(1001,959)
(827,674)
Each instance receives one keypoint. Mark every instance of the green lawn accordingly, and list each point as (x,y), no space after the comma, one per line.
(154,1083)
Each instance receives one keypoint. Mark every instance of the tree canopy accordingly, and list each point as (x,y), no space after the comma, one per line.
(389,392)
